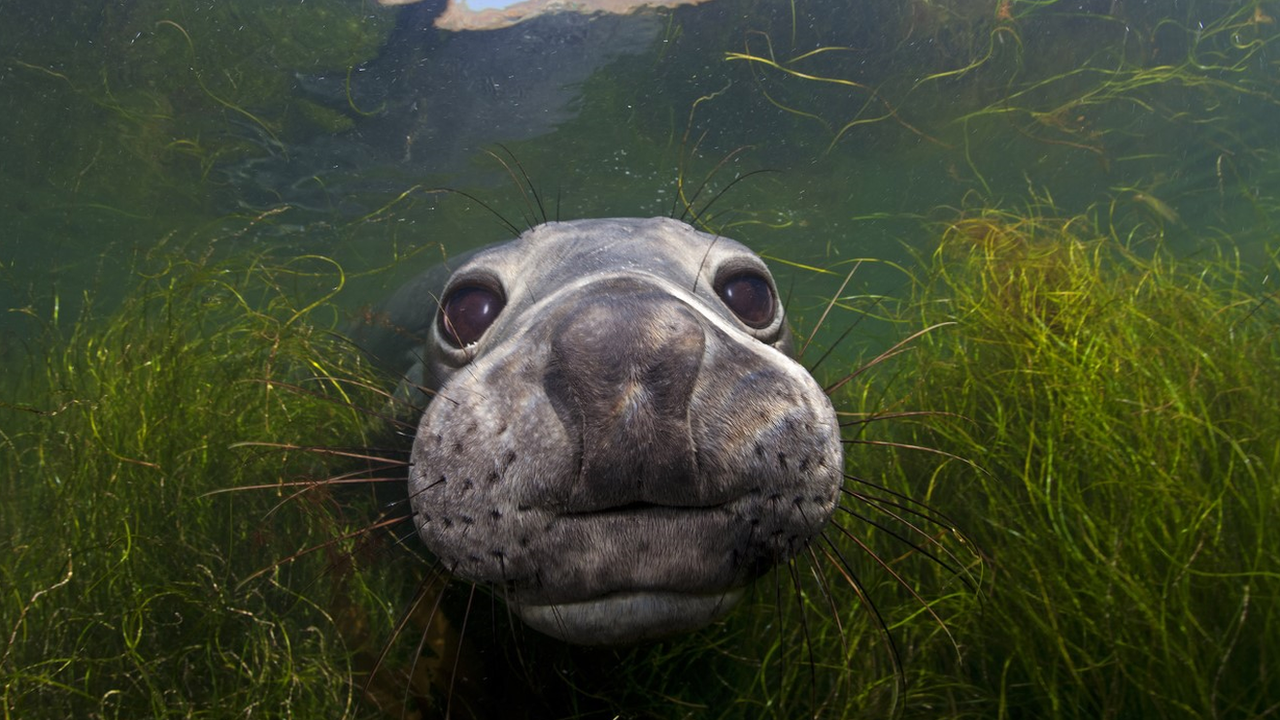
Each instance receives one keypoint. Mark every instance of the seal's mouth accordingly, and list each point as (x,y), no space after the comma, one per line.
(636,571)
(640,508)
(628,616)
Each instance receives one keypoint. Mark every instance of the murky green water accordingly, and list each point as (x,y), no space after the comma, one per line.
(137,134)
(128,125)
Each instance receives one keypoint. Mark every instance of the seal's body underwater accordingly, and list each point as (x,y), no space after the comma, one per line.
(617,438)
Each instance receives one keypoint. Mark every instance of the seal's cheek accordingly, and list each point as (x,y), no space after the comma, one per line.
(483,465)
(766,432)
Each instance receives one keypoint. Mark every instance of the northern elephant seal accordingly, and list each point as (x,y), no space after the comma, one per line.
(617,439)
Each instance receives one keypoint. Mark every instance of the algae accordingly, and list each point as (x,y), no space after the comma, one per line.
(125,579)
(1114,399)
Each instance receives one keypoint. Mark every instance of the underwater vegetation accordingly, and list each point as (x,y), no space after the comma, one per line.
(1089,421)
(123,578)
(1115,401)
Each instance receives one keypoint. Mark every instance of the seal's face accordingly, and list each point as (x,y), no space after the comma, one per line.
(619,441)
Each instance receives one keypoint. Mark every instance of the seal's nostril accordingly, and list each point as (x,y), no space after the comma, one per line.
(624,366)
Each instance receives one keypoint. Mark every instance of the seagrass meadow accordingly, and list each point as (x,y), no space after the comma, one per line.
(1031,248)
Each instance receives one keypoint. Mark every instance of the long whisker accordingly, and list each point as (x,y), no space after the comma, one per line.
(824,583)
(424,587)
(952,569)
(804,626)
(831,350)
(353,478)
(515,231)
(782,636)
(527,187)
(827,310)
(386,522)
(377,414)
(904,502)
(878,416)
(886,507)
(688,204)
(842,566)
(512,624)
(678,195)
(317,449)
(457,655)
(901,582)
(891,352)
(337,480)
(697,218)
(909,446)
(862,315)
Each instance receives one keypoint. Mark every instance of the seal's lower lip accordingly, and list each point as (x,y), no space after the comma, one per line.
(628,617)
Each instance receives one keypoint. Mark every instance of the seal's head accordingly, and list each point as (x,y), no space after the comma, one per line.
(618,440)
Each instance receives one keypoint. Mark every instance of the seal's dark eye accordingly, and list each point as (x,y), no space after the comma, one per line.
(466,312)
(749,296)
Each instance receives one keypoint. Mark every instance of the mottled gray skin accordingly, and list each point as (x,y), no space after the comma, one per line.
(618,455)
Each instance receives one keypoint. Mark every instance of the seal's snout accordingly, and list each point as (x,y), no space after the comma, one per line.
(623,367)
(618,440)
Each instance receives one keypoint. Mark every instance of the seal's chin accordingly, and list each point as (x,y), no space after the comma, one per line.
(628,617)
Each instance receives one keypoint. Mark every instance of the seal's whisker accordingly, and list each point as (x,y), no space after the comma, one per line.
(306,485)
(435,579)
(505,222)
(835,345)
(846,379)
(688,202)
(815,566)
(533,218)
(897,349)
(361,476)
(952,569)
(899,512)
(678,196)
(842,566)
(361,454)
(344,401)
(928,608)
(415,493)
(781,625)
(457,655)
(863,314)
(335,480)
(868,418)
(515,627)
(331,542)
(310,485)
(804,627)
(827,311)
(909,446)
(698,218)
(904,503)
(824,584)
